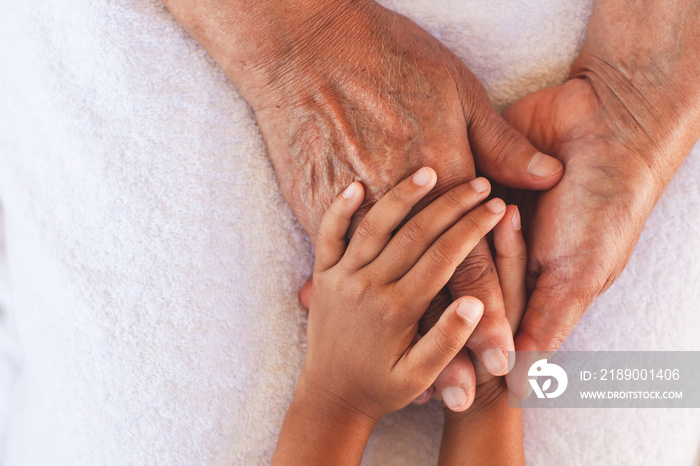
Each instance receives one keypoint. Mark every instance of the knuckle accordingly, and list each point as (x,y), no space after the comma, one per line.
(447,343)
(474,223)
(581,281)
(522,254)
(389,316)
(502,142)
(473,270)
(550,340)
(442,253)
(397,195)
(555,340)
(367,228)
(357,288)
(454,198)
(518,253)
(413,232)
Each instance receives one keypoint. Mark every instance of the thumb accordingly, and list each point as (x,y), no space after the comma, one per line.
(505,156)
(553,311)
(556,304)
(431,354)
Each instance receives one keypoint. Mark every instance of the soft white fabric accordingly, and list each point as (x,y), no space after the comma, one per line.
(150,268)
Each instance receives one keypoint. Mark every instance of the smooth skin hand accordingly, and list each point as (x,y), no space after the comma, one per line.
(622,126)
(350,91)
(365,357)
(490,432)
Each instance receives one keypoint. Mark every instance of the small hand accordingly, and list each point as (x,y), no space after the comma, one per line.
(364,350)
(490,431)
(364,355)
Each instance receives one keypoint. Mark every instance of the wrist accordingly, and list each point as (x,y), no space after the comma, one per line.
(489,432)
(280,56)
(254,41)
(333,410)
(644,120)
(642,62)
(317,431)
(639,157)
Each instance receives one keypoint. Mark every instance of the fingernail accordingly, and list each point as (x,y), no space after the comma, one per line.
(516,220)
(495,361)
(422,177)
(350,191)
(496,206)
(470,310)
(480,185)
(454,397)
(543,165)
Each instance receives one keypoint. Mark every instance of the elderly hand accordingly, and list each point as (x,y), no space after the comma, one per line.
(348,90)
(622,125)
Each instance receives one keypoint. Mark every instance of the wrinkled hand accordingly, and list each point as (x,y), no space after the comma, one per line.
(348,90)
(582,232)
(622,126)
(371,97)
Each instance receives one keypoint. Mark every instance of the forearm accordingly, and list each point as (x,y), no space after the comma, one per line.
(318,432)
(490,432)
(297,63)
(643,60)
(251,40)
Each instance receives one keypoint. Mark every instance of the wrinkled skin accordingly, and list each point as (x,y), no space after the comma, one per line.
(583,231)
(382,100)
(348,91)
(622,126)
(396,100)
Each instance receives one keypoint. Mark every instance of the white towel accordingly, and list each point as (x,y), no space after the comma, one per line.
(149,291)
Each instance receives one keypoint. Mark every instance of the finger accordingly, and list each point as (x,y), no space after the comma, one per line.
(458,378)
(305,294)
(435,267)
(553,310)
(517,378)
(503,154)
(418,234)
(330,241)
(375,230)
(434,351)
(511,264)
(457,383)
(493,339)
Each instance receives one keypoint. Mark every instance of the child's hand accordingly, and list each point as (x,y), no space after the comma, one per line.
(490,431)
(364,354)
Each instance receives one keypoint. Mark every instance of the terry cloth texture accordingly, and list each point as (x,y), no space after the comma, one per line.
(150,267)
